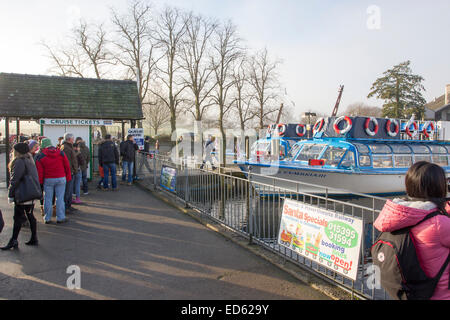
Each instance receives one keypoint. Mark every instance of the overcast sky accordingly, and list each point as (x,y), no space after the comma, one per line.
(322,43)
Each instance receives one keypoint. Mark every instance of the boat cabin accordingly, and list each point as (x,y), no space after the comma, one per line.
(368,154)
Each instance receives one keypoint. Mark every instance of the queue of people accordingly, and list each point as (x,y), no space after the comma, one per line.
(52,175)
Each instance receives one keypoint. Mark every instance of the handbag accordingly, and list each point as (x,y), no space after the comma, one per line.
(29,189)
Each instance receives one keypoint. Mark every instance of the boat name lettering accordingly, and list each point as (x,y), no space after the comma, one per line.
(306,174)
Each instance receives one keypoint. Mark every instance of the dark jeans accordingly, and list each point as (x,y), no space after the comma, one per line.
(21,214)
(85,180)
(107,169)
(69,193)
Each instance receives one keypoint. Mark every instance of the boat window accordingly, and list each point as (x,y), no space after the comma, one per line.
(438,149)
(400,148)
(364,161)
(420,149)
(441,160)
(310,151)
(349,160)
(382,161)
(418,158)
(333,156)
(294,150)
(261,146)
(403,161)
(362,148)
(380,148)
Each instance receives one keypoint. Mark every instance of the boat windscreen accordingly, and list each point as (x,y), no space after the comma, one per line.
(380,148)
(438,149)
(260,146)
(333,156)
(420,149)
(310,151)
(362,148)
(400,148)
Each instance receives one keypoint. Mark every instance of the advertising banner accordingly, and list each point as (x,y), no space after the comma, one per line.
(138,135)
(329,238)
(168,178)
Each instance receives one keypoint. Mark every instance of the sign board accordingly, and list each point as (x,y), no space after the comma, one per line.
(168,178)
(329,238)
(138,135)
(75,122)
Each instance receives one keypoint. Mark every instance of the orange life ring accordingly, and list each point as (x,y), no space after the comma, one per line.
(303,132)
(425,129)
(319,126)
(346,129)
(388,127)
(283,129)
(416,129)
(367,126)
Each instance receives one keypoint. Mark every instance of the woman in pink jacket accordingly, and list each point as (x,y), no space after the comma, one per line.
(426,187)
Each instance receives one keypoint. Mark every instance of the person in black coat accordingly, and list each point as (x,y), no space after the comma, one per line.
(23,165)
(108,158)
(128,150)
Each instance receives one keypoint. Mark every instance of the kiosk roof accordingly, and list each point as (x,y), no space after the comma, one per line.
(37,96)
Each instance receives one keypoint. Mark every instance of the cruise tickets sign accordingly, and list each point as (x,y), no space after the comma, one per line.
(329,238)
(75,122)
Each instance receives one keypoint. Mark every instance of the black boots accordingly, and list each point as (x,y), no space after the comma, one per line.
(11,244)
(32,242)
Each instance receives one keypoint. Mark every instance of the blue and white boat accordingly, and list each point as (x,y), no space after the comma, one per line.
(361,155)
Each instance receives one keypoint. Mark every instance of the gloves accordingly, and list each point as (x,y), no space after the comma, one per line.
(10,200)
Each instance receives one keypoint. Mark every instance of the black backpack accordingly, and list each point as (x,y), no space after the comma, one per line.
(401,275)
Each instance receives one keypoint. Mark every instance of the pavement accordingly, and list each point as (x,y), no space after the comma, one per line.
(131,245)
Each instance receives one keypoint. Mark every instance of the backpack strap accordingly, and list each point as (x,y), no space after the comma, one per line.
(431,215)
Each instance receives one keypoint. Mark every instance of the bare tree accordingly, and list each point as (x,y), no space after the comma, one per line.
(242,99)
(156,113)
(196,62)
(169,32)
(85,55)
(263,79)
(227,49)
(136,50)
(363,110)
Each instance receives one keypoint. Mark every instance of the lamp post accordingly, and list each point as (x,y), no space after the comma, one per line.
(309,115)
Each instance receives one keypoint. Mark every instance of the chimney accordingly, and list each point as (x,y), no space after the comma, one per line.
(447,94)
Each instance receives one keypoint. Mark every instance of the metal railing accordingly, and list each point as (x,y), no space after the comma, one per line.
(253,209)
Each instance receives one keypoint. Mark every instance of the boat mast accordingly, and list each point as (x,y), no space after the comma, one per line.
(338,102)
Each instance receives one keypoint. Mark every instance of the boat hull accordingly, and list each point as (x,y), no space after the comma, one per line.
(339,183)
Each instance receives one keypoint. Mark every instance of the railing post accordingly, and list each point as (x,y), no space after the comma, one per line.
(186,183)
(249,206)
(154,170)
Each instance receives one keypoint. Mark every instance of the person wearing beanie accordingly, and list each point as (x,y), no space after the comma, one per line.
(54,172)
(34,147)
(23,170)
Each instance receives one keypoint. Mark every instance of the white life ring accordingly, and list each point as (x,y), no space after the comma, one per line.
(346,129)
(283,129)
(425,129)
(303,132)
(319,126)
(416,129)
(388,127)
(367,126)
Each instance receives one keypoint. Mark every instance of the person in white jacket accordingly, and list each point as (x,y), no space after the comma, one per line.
(210,147)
